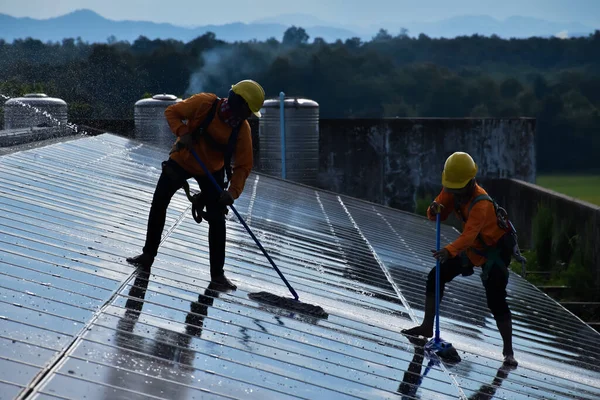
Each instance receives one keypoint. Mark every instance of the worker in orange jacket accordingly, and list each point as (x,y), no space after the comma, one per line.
(483,243)
(218,130)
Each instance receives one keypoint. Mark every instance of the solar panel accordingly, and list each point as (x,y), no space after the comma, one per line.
(76,321)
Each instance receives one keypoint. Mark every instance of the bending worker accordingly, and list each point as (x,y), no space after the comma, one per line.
(217,129)
(482,243)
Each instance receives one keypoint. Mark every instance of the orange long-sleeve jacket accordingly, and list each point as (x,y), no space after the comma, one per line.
(482,220)
(195,109)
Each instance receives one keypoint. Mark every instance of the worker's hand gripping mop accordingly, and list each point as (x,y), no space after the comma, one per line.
(283,302)
(444,350)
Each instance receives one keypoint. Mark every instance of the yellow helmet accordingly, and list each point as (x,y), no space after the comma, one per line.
(252,92)
(459,169)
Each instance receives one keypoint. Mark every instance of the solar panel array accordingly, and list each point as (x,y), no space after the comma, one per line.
(76,321)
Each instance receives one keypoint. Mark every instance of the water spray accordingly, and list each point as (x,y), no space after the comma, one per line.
(70,126)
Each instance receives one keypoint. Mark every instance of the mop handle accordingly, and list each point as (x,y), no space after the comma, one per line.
(219,189)
(437,280)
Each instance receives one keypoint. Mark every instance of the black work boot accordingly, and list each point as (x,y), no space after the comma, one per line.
(426,327)
(504,325)
(221,282)
(142,261)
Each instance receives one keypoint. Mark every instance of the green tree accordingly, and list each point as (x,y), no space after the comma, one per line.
(510,88)
(382,36)
(294,36)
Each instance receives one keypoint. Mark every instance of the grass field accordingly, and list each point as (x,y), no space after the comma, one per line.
(583,187)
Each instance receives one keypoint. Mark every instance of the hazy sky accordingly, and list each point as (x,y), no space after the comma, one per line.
(351,12)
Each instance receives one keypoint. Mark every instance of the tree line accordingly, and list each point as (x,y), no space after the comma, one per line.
(554,80)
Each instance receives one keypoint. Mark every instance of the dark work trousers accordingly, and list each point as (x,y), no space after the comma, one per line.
(495,286)
(170,181)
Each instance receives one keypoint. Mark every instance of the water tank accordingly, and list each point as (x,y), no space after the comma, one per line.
(150,123)
(301,117)
(34,109)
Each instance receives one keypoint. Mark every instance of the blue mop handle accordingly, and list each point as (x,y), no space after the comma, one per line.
(244,223)
(437,280)
(427,369)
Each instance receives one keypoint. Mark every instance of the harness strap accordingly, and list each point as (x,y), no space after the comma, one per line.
(473,202)
(209,117)
(476,200)
(226,149)
(494,260)
(229,152)
(196,199)
(492,253)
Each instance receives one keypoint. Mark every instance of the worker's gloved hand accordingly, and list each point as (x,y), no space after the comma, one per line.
(186,140)
(435,208)
(443,255)
(226,198)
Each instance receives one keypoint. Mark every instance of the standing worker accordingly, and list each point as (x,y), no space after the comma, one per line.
(483,243)
(217,129)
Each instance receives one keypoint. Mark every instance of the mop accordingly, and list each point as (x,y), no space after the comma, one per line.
(269,298)
(441,348)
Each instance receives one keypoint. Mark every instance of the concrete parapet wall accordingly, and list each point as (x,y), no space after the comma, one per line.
(389,161)
(18,136)
(522,201)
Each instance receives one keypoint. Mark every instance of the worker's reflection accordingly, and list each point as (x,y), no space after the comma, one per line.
(167,352)
(133,308)
(412,378)
(199,310)
(488,391)
(194,320)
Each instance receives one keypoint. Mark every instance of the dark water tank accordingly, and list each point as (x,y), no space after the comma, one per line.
(301,117)
(150,123)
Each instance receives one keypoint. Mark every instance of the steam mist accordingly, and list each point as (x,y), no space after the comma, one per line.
(224,66)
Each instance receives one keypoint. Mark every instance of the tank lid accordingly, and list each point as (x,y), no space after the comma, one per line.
(164,97)
(158,100)
(37,99)
(291,102)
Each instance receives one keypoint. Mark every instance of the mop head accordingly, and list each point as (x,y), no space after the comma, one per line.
(289,304)
(444,350)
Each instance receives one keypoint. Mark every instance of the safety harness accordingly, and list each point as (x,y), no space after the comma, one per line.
(197,200)
(492,253)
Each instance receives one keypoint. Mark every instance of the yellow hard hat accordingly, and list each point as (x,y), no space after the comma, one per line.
(252,92)
(459,169)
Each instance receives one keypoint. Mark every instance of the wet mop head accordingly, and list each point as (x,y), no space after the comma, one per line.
(444,350)
(289,304)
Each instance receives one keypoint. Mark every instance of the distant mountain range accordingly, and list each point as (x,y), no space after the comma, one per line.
(92,27)
(518,27)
